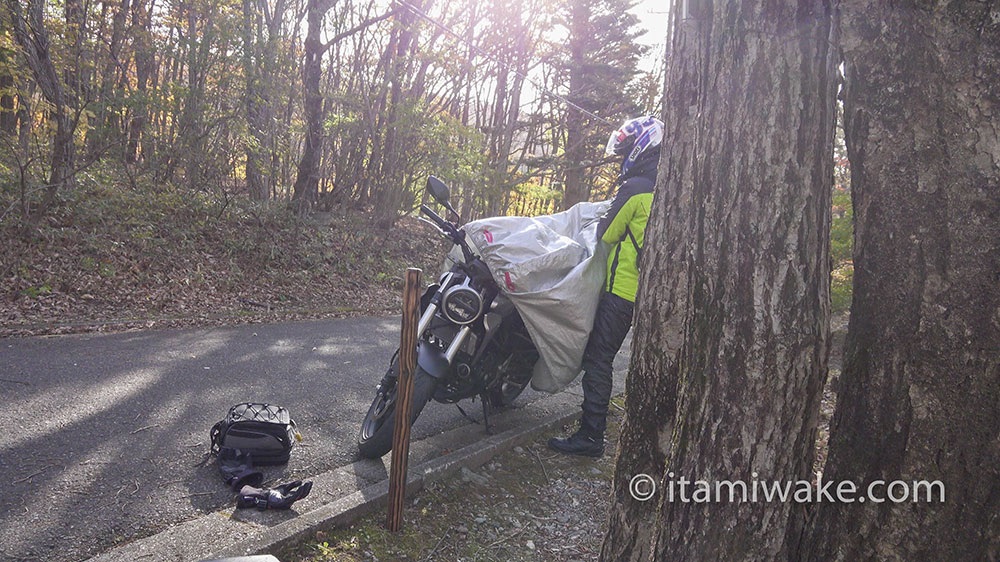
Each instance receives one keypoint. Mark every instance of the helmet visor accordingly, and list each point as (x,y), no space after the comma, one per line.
(614,142)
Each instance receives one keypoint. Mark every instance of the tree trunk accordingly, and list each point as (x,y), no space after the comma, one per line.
(74,69)
(105,127)
(731,337)
(463,95)
(390,186)
(23,121)
(576,190)
(35,47)
(144,68)
(193,120)
(253,67)
(920,389)
(306,188)
(8,117)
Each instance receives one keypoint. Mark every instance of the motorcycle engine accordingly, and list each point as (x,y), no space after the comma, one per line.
(455,388)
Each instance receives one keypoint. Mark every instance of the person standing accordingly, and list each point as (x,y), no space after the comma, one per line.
(623,227)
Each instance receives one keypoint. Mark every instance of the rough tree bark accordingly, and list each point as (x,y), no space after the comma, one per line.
(920,390)
(731,337)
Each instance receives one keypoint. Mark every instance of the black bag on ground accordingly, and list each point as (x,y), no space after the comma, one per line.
(263,431)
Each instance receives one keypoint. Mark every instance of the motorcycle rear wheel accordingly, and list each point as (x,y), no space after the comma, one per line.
(375,437)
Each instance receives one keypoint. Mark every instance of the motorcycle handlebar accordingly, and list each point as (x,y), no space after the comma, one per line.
(456,235)
(436,218)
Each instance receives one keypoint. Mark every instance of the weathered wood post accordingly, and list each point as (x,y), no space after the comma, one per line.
(404,398)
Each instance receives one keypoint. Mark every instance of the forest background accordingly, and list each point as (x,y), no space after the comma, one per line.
(168,162)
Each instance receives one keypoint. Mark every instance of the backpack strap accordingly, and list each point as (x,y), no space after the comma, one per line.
(215,436)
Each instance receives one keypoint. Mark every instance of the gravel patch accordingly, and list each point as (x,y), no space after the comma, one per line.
(528,504)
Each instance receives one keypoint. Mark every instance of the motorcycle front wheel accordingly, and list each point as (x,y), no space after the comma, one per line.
(375,438)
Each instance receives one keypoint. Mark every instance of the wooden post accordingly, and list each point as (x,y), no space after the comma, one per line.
(404,398)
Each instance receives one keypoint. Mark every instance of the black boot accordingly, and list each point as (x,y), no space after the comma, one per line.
(580,443)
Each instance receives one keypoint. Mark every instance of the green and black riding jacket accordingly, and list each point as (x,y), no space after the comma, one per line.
(624,225)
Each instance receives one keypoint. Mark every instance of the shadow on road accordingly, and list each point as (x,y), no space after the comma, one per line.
(108,442)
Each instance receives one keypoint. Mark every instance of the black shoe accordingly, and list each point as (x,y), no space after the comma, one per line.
(578,444)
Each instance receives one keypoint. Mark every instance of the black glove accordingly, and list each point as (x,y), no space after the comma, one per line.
(237,469)
(279,497)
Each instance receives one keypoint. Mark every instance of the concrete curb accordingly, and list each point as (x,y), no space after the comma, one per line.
(362,487)
(351,508)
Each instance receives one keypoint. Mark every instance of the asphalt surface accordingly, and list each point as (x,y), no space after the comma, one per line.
(105,436)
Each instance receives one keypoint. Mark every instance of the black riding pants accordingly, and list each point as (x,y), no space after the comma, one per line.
(611,325)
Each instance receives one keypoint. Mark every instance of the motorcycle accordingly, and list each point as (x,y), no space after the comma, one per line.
(471,341)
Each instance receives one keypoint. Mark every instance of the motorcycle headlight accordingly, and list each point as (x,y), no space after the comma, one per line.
(462,304)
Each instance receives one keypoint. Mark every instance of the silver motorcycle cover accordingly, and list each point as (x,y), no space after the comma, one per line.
(552,269)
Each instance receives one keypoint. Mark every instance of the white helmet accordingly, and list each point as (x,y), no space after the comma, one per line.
(633,138)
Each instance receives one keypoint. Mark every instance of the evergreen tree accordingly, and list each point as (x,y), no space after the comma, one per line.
(601,61)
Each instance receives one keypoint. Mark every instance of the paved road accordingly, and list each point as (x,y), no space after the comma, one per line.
(105,436)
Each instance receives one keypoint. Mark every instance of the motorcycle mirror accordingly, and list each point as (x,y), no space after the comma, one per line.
(439,191)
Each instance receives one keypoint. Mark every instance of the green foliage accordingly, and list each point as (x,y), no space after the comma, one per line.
(193,91)
(841,283)
(34,292)
(841,228)
(441,145)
